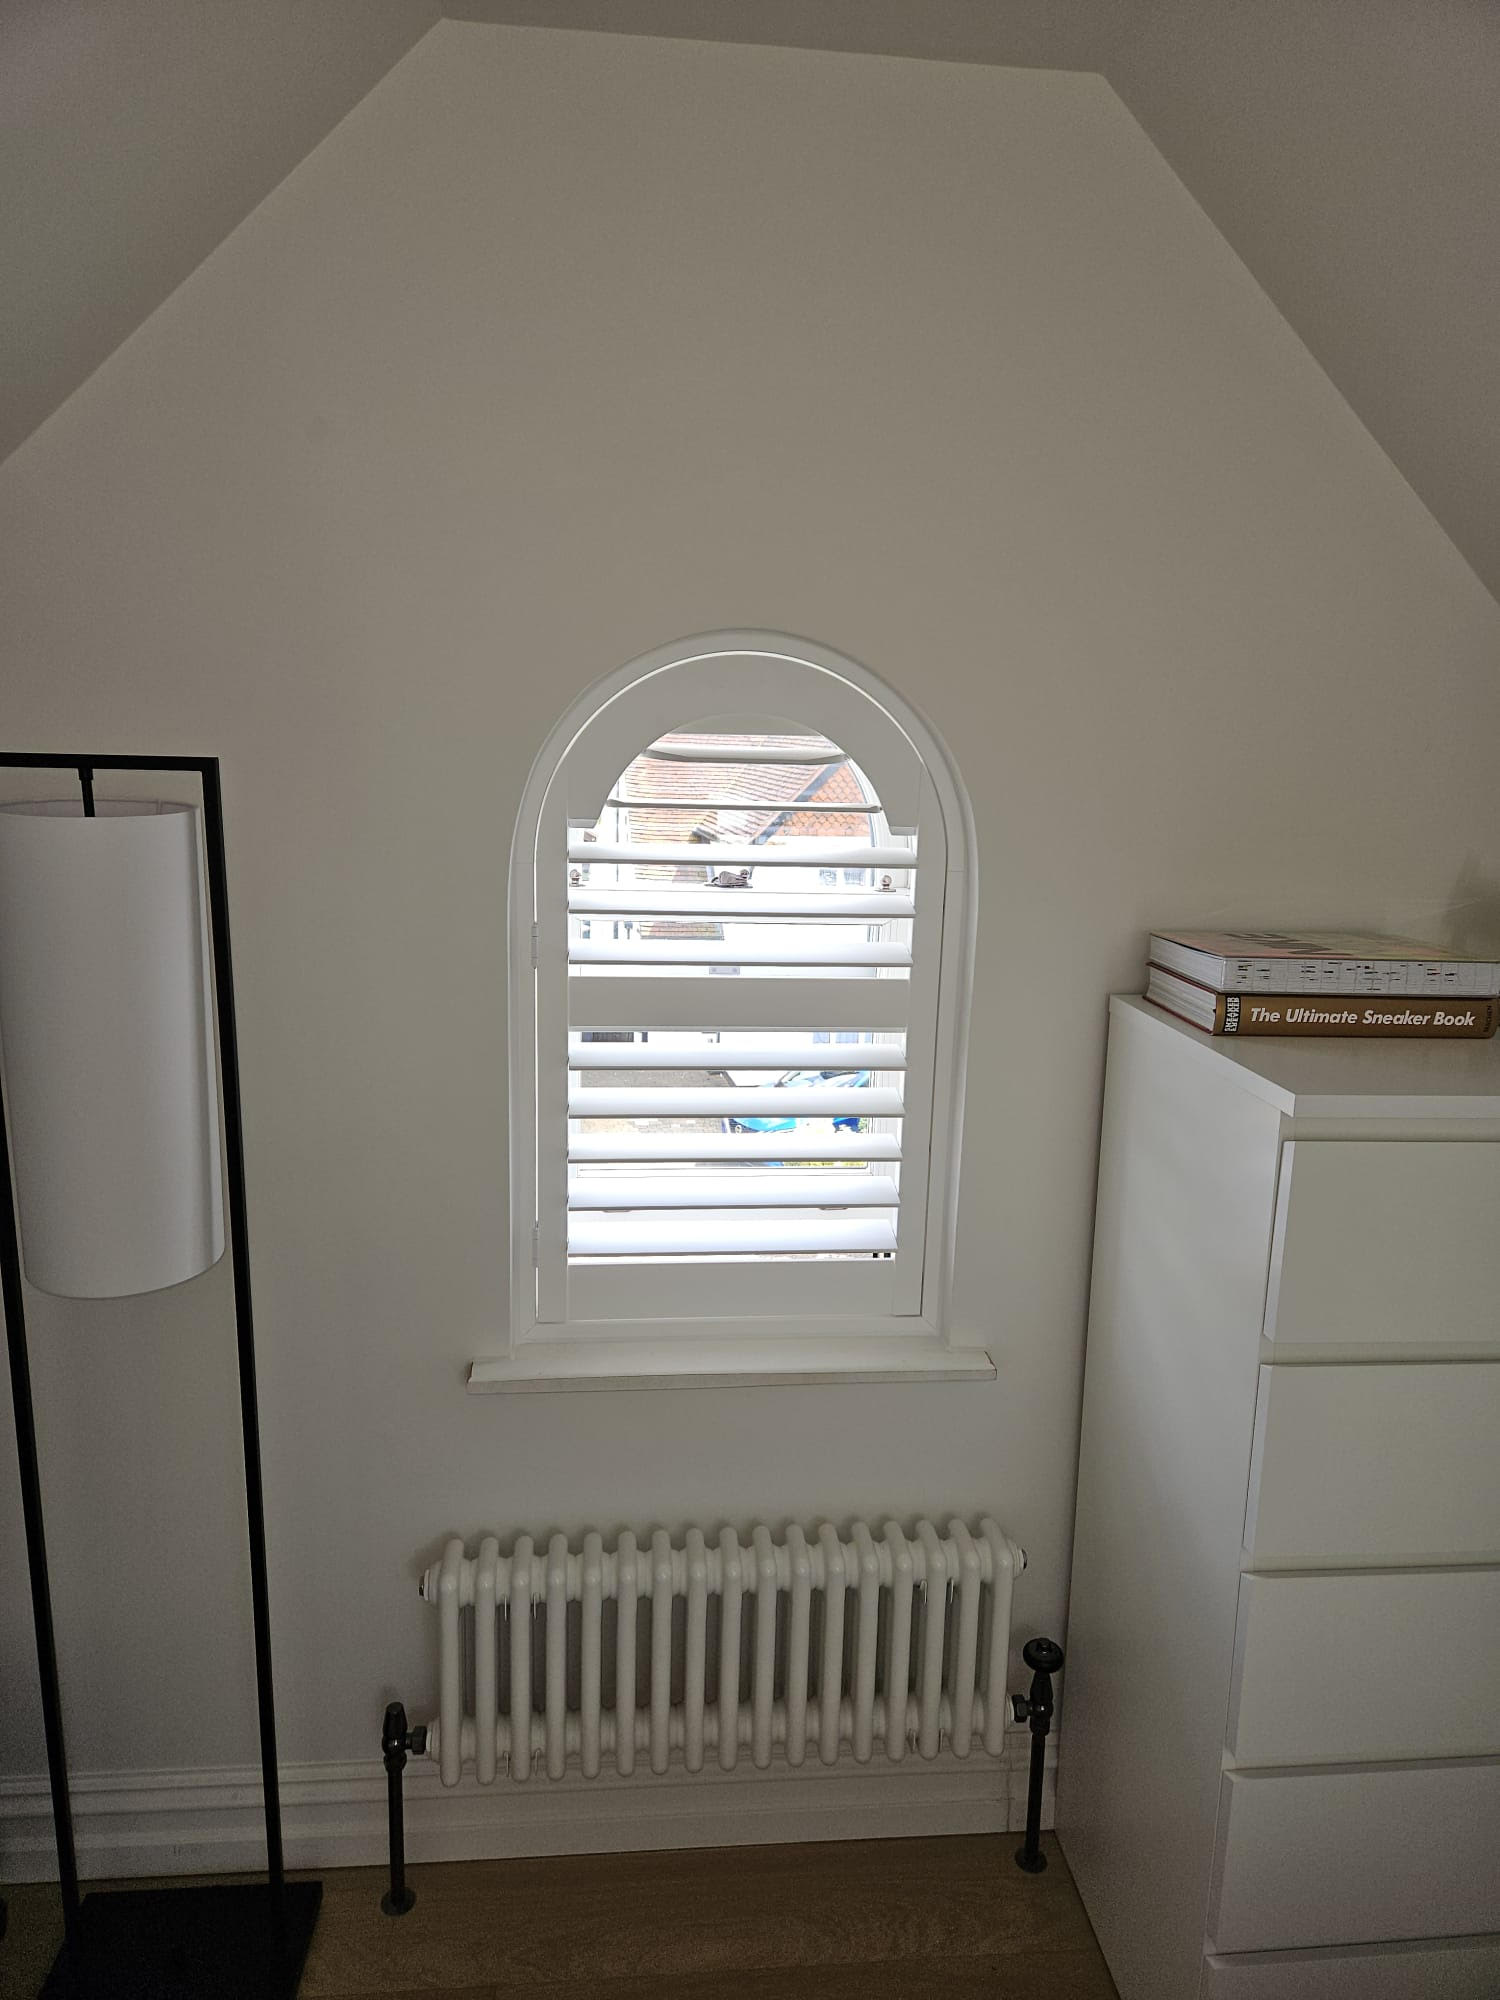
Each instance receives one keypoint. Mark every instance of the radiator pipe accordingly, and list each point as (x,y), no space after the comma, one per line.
(395,1741)
(1045,1658)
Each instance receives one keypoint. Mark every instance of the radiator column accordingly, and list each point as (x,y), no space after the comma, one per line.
(1002,1577)
(557,1656)
(591,1673)
(627,1603)
(799,1630)
(865,1641)
(450,1667)
(520,1661)
(731,1591)
(661,1650)
(966,1651)
(898,1657)
(763,1687)
(696,1649)
(486,1697)
(930,1686)
(831,1669)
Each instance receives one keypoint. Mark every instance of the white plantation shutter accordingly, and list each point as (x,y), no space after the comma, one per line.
(709,864)
(737,945)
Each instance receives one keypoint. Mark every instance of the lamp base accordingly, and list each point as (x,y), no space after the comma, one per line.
(186,1944)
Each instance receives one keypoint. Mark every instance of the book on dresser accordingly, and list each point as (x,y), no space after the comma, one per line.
(1417,1017)
(1321,962)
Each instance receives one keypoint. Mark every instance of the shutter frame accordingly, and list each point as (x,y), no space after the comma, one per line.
(612,994)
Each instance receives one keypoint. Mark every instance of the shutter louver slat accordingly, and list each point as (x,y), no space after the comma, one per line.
(713,856)
(729,1191)
(747,1148)
(727,1235)
(786,1054)
(652,899)
(659,951)
(783,750)
(606,998)
(863,809)
(746,1101)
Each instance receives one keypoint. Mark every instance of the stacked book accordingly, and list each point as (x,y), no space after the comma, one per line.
(1322,983)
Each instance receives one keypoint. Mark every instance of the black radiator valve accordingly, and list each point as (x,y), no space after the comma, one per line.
(396,1742)
(1045,1658)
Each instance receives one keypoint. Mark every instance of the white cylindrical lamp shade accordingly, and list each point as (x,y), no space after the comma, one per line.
(106,1032)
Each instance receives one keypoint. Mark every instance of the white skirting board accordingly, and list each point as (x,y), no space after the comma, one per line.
(334,1815)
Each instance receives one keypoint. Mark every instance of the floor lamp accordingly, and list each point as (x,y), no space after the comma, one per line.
(114,967)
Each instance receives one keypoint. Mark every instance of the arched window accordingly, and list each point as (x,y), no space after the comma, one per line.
(741,895)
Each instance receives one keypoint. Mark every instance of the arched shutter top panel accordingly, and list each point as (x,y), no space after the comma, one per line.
(818,697)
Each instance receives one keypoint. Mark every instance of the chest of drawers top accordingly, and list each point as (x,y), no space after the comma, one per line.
(1326,1077)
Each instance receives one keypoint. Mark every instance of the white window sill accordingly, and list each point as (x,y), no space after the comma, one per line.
(539,1366)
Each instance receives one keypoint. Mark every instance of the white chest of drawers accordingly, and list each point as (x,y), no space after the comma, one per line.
(1280,1734)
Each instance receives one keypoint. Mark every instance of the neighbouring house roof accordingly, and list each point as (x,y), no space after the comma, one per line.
(673,798)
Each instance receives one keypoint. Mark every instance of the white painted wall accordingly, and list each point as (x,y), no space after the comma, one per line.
(560,347)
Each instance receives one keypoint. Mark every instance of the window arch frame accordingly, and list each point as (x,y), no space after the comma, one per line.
(579,762)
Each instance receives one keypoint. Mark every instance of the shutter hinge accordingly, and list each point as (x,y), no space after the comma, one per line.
(536,1244)
(536,949)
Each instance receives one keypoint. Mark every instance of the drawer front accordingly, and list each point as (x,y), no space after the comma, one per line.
(1375,1463)
(1355,1857)
(1386,1244)
(1367,1667)
(1436,1969)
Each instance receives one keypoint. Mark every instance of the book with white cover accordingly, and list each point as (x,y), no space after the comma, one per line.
(1322,962)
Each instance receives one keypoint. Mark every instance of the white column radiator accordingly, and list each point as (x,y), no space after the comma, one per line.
(805,1643)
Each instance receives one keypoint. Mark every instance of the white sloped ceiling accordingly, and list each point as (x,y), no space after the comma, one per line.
(1346,148)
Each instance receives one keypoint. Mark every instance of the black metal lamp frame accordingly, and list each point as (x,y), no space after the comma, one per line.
(248,1941)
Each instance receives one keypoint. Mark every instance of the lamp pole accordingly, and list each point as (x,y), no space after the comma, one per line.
(244,1325)
(12,1292)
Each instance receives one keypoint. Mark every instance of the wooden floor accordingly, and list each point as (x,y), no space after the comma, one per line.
(859,1920)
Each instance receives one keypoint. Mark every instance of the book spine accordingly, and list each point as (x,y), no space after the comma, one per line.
(1355,1015)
